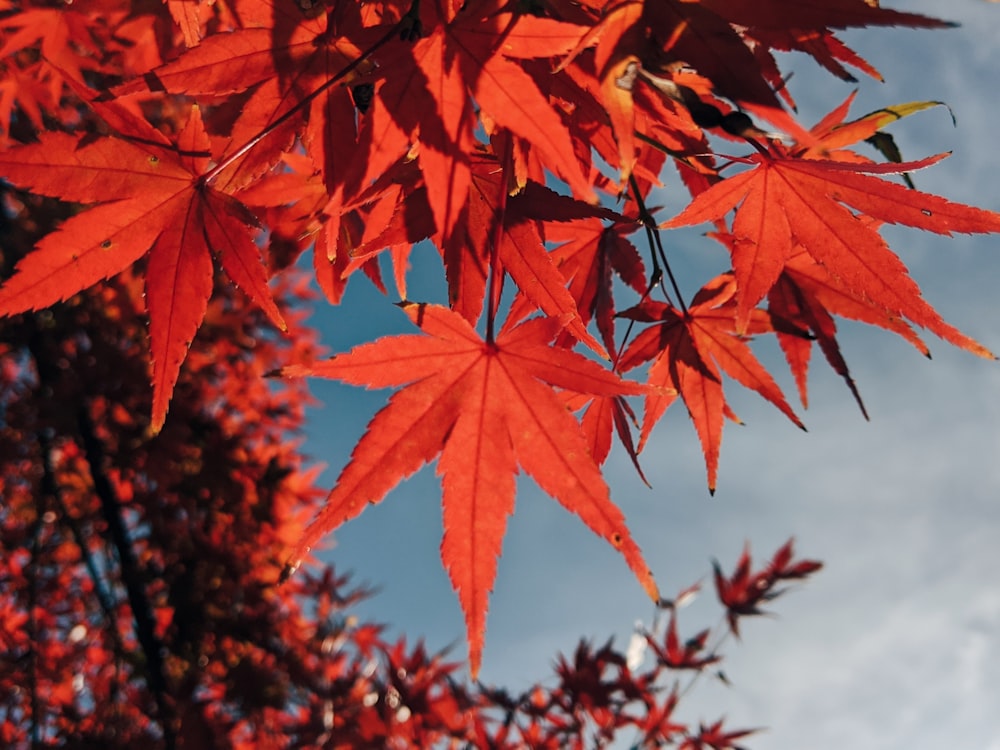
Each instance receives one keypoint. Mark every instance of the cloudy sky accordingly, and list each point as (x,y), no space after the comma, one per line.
(896,643)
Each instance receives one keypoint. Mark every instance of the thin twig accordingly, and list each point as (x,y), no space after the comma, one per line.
(104,598)
(656,244)
(496,269)
(36,532)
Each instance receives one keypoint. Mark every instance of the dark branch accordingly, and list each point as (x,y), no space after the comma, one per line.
(142,611)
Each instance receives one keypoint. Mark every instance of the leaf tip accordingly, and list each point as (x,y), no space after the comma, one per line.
(158,419)
(651,588)
(293,563)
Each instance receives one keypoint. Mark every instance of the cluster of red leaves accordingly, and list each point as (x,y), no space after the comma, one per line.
(356,128)
(139,571)
(604,694)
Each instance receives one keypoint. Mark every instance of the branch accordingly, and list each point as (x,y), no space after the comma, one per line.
(32,574)
(142,611)
(104,598)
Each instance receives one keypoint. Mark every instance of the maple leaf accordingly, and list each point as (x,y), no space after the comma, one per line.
(510,222)
(715,737)
(26,93)
(805,27)
(685,347)
(804,299)
(601,415)
(786,201)
(471,55)
(588,257)
(153,199)
(65,37)
(620,40)
(803,14)
(709,43)
(683,656)
(744,591)
(658,725)
(486,408)
(290,62)
(833,133)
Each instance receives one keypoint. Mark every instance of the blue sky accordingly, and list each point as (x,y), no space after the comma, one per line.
(896,643)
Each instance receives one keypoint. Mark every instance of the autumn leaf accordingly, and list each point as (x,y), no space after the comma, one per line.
(152,198)
(620,40)
(492,217)
(289,62)
(68,39)
(782,201)
(714,737)
(468,57)
(803,14)
(786,26)
(486,408)
(488,129)
(589,256)
(833,133)
(687,348)
(688,655)
(603,416)
(743,592)
(711,45)
(804,301)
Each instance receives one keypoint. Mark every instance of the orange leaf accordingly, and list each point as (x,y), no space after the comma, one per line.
(687,350)
(153,200)
(486,409)
(617,59)
(807,199)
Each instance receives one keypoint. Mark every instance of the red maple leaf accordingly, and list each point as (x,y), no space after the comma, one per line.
(711,45)
(495,220)
(289,61)
(683,656)
(804,299)
(715,737)
(153,198)
(486,407)
(601,416)
(801,14)
(744,591)
(805,27)
(468,56)
(66,37)
(687,348)
(785,201)
(589,257)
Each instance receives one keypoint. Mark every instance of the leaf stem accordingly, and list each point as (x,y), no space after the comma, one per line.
(659,256)
(495,288)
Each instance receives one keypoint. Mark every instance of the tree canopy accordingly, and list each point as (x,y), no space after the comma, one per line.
(157,157)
